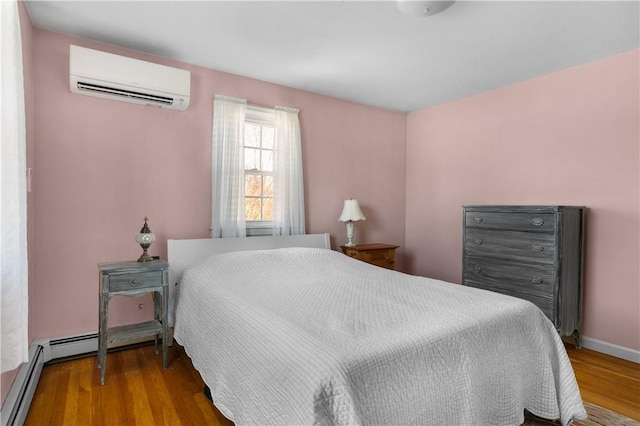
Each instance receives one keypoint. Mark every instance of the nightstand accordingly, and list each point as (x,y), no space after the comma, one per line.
(132,278)
(383,255)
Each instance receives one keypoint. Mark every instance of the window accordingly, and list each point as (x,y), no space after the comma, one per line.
(257,181)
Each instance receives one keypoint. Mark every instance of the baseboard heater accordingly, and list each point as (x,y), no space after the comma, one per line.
(16,405)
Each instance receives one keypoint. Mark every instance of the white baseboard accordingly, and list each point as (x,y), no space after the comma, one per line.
(611,349)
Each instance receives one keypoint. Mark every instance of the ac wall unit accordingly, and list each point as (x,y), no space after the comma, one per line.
(109,76)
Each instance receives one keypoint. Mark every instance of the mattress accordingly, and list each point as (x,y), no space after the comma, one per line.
(303,336)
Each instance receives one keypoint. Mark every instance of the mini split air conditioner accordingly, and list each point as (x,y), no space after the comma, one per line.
(109,76)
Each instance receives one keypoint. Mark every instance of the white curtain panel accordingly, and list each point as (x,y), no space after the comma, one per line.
(228,167)
(288,194)
(14,336)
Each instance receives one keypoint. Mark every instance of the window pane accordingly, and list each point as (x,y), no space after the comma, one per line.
(267,190)
(252,185)
(251,159)
(259,144)
(267,161)
(252,208)
(251,135)
(268,136)
(267,209)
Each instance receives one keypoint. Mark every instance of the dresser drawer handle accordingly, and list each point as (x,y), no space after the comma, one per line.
(477,242)
(537,221)
(136,281)
(477,219)
(476,268)
(537,247)
(536,280)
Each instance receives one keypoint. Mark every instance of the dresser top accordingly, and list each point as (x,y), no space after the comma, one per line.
(536,208)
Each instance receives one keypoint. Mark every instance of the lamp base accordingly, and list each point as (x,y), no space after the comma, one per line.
(145,257)
(349,234)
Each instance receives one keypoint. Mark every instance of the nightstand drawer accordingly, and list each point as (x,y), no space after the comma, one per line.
(384,258)
(133,281)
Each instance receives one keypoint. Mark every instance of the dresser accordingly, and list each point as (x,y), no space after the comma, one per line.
(383,255)
(131,278)
(531,252)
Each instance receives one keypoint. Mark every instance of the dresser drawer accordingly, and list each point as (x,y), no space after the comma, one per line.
(545,304)
(510,245)
(537,280)
(128,282)
(533,222)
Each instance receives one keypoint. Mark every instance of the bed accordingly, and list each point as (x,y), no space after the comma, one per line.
(293,333)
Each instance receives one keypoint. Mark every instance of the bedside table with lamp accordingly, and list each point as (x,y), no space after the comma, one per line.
(378,254)
(133,278)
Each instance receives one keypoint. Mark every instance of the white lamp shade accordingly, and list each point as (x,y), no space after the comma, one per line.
(351,211)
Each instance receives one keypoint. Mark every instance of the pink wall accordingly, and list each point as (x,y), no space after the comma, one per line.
(567,138)
(100,166)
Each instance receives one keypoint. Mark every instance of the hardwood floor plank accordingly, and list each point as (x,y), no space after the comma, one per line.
(60,397)
(84,392)
(139,391)
(71,400)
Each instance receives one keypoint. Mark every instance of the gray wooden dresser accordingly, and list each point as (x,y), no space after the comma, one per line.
(531,252)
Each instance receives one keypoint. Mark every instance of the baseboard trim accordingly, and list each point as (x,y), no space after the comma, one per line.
(611,349)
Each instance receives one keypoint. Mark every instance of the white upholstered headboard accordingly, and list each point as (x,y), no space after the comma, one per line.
(183,253)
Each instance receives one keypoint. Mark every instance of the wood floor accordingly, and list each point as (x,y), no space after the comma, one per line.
(607,381)
(138,391)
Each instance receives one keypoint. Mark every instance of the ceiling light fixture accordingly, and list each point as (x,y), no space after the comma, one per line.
(422,8)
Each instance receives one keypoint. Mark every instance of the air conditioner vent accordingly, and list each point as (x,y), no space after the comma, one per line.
(126,93)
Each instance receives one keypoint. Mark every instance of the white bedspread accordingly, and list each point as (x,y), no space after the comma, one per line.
(309,336)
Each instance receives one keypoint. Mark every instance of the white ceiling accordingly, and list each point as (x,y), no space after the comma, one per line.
(367,52)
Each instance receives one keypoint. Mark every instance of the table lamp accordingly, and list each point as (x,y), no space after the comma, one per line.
(351,213)
(145,238)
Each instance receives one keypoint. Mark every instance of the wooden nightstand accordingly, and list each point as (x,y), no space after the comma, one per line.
(132,278)
(383,255)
